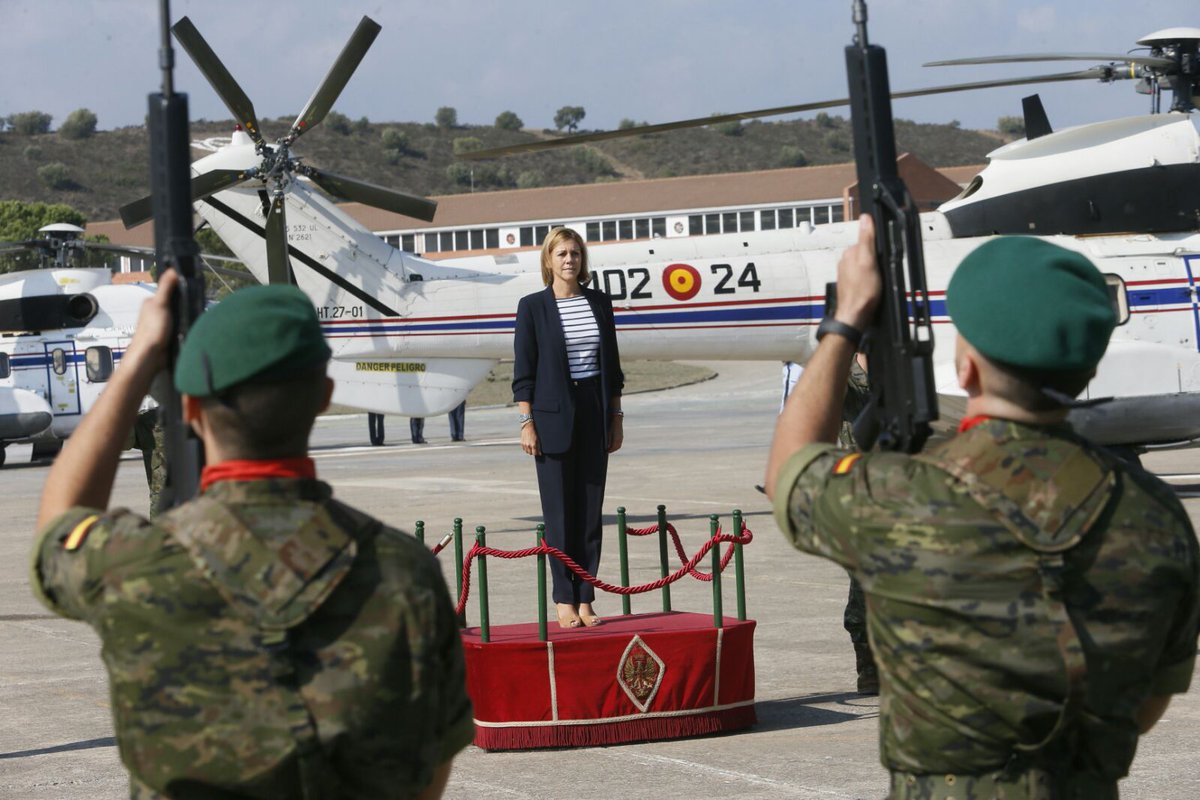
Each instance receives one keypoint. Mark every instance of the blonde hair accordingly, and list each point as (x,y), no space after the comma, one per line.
(551,241)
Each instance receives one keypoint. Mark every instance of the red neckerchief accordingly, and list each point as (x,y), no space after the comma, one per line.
(257,470)
(970,422)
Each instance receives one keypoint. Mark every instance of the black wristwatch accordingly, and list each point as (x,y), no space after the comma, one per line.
(849,332)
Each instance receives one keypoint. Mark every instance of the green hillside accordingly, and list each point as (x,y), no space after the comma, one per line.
(100,173)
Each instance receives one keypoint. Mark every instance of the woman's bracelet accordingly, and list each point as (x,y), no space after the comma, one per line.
(525,419)
(618,413)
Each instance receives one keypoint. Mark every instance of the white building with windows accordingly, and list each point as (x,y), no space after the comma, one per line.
(699,205)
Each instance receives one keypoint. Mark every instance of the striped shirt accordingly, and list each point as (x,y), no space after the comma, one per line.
(582,335)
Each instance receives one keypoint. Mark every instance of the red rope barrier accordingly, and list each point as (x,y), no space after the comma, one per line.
(688,567)
(700,576)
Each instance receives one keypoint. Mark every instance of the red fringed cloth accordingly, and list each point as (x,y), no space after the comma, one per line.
(634,678)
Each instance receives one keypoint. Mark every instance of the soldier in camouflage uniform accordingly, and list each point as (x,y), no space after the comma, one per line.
(1032,600)
(262,640)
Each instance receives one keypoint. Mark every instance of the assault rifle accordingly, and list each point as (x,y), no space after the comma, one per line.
(175,248)
(899,342)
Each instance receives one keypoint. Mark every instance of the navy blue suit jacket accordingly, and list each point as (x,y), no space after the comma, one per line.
(541,376)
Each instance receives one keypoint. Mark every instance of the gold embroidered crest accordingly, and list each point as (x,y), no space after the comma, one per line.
(640,673)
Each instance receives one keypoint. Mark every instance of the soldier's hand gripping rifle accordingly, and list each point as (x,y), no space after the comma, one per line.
(175,248)
(899,342)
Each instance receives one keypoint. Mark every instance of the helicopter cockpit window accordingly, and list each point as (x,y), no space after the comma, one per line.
(58,361)
(1120,299)
(99,362)
(5,368)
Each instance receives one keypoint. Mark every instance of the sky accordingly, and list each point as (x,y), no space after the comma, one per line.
(647,60)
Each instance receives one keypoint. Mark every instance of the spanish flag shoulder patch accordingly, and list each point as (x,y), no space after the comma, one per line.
(846,463)
(75,538)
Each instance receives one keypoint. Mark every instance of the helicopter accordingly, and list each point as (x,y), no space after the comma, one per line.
(411,336)
(63,330)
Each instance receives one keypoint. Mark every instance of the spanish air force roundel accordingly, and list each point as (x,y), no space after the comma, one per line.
(681,281)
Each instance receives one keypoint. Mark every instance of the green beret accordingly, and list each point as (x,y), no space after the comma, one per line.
(1028,303)
(263,332)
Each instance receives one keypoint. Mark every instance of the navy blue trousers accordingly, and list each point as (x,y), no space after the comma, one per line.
(572,488)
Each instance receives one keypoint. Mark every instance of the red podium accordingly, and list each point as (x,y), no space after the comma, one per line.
(633,678)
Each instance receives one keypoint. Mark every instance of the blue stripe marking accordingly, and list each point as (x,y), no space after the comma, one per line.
(807,312)
(1173,295)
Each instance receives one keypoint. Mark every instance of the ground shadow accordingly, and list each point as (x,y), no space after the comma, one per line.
(86,744)
(802,712)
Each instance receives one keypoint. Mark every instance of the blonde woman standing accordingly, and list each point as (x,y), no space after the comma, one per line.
(567,381)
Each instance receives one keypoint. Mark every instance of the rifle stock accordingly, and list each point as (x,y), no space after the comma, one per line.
(175,248)
(899,342)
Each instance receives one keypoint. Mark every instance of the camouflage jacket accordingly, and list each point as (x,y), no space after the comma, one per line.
(279,622)
(963,631)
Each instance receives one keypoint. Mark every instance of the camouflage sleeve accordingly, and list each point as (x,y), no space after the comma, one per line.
(1174,672)
(71,555)
(811,502)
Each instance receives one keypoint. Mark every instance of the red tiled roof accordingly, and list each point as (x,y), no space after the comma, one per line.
(625,198)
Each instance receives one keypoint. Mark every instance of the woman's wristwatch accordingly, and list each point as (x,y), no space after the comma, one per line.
(522,419)
(618,413)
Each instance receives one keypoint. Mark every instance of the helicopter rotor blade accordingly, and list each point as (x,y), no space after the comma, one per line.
(1094,73)
(30,244)
(1147,61)
(371,195)
(224,84)
(210,182)
(339,74)
(279,270)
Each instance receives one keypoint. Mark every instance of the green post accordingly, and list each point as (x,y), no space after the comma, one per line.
(485,628)
(718,612)
(421,531)
(623,547)
(664,566)
(458,568)
(541,583)
(739,566)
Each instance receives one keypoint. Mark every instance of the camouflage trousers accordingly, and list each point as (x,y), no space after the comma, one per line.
(1033,784)
(148,437)
(854,620)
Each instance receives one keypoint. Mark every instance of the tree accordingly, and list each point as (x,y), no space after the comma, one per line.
(509,121)
(530,179)
(80,124)
(626,123)
(20,220)
(1012,127)
(394,139)
(55,175)
(460,173)
(446,117)
(792,156)
(592,161)
(732,127)
(466,144)
(569,117)
(29,123)
(837,141)
(339,123)
(362,125)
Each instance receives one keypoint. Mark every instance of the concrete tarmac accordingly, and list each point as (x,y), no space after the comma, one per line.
(698,449)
